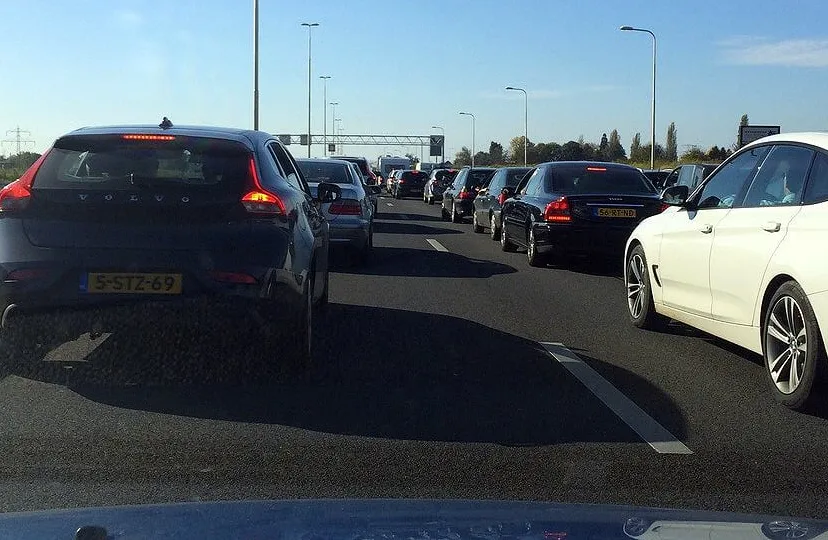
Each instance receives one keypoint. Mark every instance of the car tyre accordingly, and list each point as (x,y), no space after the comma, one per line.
(792,347)
(640,306)
(505,244)
(535,258)
(476,227)
(298,344)
(431,200)
(494,231)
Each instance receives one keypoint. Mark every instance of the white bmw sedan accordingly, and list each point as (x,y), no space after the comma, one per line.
(741,257)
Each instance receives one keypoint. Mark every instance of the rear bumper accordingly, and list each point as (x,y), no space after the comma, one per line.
(349,232)
(581,239)
(409,190)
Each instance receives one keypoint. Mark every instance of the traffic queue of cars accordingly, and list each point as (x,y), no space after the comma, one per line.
(733,250)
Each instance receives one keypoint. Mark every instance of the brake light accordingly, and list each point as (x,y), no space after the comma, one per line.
(465,194)
(16,195)
(663,207)
(501,198)
(140,137)
(597,169)
(257,200)
(557,211)
(233,277)
(345,207)
(401,181)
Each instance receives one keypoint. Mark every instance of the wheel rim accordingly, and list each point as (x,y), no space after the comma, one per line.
(474,219)
(790,529)
(786,344)
(492,225)
(636,286)
(503,234)
(530,249)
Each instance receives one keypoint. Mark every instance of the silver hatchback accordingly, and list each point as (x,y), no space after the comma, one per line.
(351,217)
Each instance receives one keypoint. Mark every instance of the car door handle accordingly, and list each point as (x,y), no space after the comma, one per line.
(772,226)
(707,228)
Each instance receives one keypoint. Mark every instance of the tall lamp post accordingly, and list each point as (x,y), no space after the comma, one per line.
(333,123)
(653,113)
(325,113)
(443,147)
(256,64)
(525,122)
(310,27)
(474,121)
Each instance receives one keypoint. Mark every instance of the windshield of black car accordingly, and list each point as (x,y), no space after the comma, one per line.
(514,176)
(478,178)
(321,171)
(113,162)
(575,179)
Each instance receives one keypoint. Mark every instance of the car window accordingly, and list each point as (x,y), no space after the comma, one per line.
(285,165)
(575,179)
(816,190)
(534,183)
(497,181)
(722,189)
(780,178)
(479,178)
(672,178)
(514,176)
(316,171)
(686,176)
(460,179)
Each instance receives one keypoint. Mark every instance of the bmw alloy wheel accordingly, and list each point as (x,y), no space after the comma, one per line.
(636,286)
(786,343)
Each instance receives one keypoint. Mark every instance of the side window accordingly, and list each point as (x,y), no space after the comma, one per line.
(534,184)
(672,178)
(817,189)
(780,178)
(459,180)
(722,188)
(685,177)
(286,165)
(497,182)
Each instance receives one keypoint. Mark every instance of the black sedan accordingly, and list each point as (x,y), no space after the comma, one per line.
(490,199)
(120,227)
(458,198)
(410,183)
(576,207)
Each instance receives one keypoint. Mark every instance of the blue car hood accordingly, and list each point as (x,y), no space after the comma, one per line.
(397,520)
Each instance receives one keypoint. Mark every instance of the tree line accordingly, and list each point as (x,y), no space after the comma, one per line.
(608,148)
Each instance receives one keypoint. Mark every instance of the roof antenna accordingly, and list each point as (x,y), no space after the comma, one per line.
(165,123)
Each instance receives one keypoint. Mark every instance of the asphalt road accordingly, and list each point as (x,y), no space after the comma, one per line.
(430,381)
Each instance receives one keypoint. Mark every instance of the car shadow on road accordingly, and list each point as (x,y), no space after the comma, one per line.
(426,262)
(407,217)
(434,378)
(407,227)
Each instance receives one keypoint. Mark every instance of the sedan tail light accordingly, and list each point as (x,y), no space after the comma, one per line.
(663,207)
(501,199)
(465,194)
(16,195)
(345,207)
(557,211)
(257,200)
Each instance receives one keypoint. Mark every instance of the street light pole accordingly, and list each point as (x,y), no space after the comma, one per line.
(310,27)
(474,121)
(325,114)
(525,122)
(333,123)
(443,147)
(256,64)
(653,112)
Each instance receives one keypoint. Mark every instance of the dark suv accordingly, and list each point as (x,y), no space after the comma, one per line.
(458,198)
(409,183)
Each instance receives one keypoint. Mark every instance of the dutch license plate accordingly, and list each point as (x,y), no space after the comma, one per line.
(616,212)
(133,283)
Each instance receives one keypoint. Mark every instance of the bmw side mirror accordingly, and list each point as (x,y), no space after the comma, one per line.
(327,192)
(675,195)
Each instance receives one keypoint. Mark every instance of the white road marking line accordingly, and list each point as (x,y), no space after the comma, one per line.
(390,204)
(437,245)
(653,433)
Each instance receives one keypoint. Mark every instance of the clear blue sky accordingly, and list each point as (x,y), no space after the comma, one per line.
(401,67)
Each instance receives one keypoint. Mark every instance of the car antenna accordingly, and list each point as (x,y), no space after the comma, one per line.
(165,123)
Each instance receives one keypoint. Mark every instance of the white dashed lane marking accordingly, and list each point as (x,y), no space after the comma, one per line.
(437,245)
(653,433)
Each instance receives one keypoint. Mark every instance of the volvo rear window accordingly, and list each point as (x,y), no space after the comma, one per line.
(322,171)
(595,179)
(112,163)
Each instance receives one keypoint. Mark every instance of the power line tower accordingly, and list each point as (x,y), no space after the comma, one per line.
(19,139)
